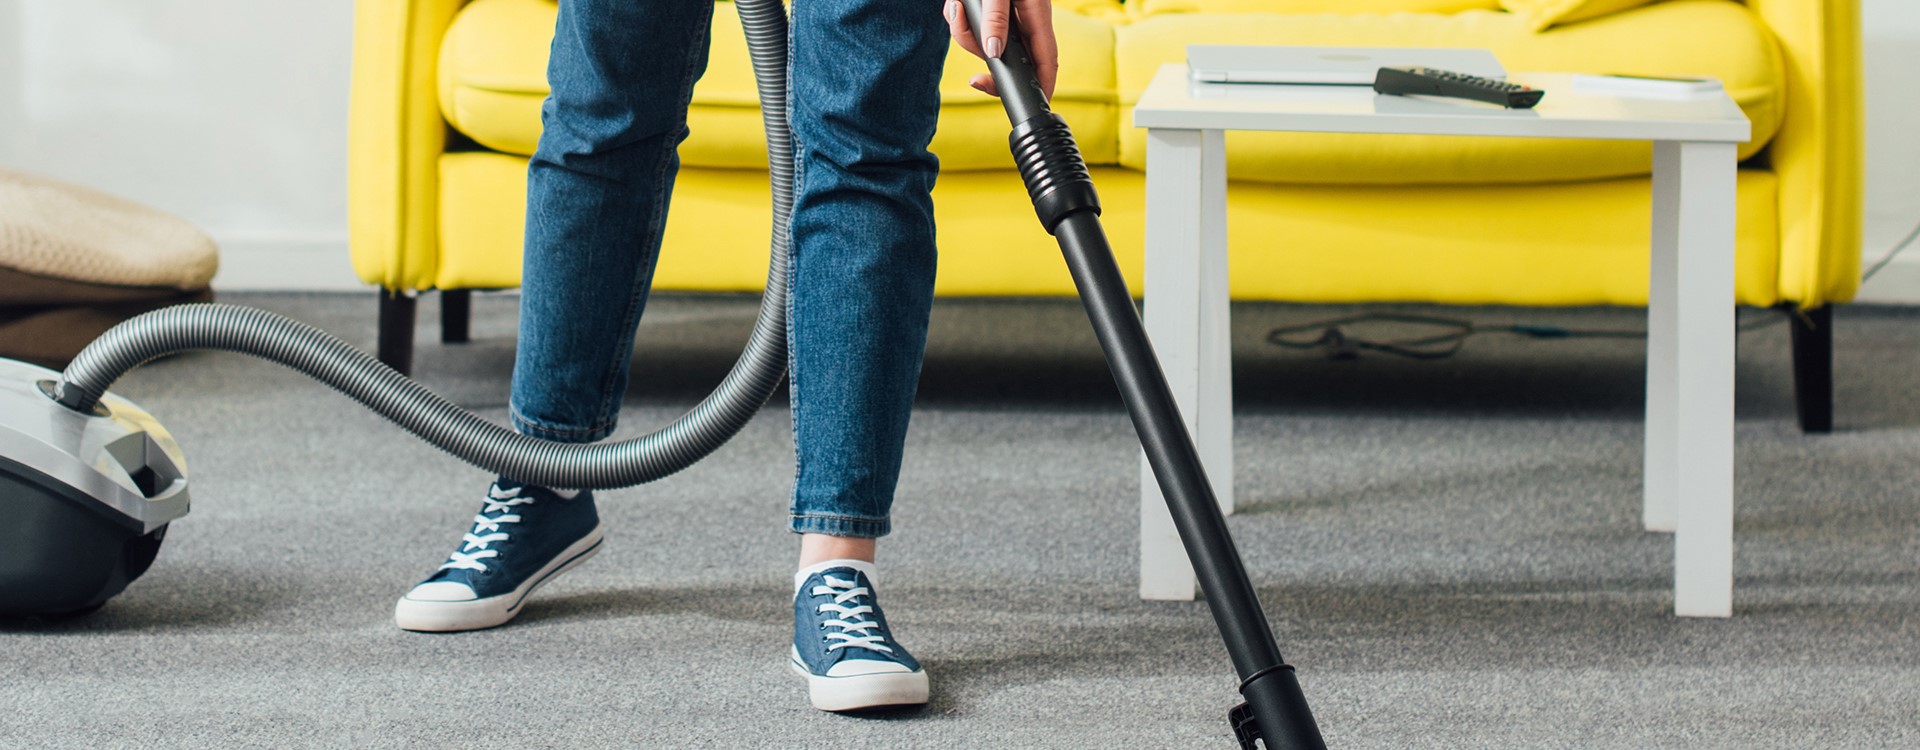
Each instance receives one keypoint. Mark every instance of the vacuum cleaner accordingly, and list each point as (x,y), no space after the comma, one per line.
(89,481)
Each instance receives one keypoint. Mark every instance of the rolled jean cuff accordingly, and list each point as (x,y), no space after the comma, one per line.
(530,428)
(863,528)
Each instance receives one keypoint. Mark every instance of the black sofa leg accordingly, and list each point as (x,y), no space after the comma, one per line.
(397,313)
(1813,367)
(456,309)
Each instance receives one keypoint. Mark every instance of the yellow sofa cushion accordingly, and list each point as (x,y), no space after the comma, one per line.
(1541,14)
(1144,8)
(1683,37)
(1111,11)
(1440,245)
(492,80)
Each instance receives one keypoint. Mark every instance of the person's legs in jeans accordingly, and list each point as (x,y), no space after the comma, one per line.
(622,74)
(864,101)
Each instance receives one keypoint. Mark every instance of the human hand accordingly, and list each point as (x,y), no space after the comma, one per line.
(1036,28)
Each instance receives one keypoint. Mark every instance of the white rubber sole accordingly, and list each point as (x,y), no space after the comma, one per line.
(478,614)
(857,692)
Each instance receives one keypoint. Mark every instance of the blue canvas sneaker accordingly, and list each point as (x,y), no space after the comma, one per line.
(523,537)
(842,645)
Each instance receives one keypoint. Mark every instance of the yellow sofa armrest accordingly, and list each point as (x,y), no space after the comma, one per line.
(394,139)
(1820,150)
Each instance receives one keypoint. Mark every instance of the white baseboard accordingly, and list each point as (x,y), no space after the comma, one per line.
(1899,282)
(285,263)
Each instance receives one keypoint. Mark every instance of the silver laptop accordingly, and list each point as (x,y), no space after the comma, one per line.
(1355,66)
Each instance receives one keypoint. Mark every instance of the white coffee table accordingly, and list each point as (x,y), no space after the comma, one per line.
(1688,480)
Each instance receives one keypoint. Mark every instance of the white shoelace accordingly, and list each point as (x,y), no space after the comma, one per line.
(499,502)
(852,621)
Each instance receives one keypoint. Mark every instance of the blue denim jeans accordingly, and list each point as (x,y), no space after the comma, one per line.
(863,100)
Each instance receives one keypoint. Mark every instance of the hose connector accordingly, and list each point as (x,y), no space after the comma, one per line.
(1056,175)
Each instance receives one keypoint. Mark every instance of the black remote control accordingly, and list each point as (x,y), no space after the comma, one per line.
(1433,82)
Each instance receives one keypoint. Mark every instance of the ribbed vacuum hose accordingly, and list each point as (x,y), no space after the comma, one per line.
(454,429)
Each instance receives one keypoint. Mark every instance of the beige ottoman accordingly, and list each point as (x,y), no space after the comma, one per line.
(75,261)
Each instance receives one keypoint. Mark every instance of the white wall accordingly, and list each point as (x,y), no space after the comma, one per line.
(11,55)
(232,114)
(1892,40)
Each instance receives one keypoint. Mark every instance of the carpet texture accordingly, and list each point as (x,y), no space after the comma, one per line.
(1449,551)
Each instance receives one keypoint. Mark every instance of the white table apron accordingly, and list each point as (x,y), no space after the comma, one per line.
(1688,471)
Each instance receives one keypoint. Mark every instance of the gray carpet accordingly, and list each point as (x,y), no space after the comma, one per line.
(1449,551)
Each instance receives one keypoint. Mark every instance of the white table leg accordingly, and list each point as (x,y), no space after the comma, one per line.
(1213,428)
(1691,369)
(1660,482)
(1186,317)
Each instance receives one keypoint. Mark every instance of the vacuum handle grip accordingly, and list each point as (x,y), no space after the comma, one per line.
(1013,73)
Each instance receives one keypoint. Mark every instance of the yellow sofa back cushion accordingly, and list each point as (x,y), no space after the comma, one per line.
(1541,14)
(1144,8)
(493,78)
(1718,38)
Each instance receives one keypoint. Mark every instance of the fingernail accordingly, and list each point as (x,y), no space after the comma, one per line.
(993,48)
(949,12)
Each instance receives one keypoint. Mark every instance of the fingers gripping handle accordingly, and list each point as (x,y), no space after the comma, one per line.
(1043,147)
(1013,72)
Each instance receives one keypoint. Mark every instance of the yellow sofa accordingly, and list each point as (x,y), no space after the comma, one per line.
(446,98)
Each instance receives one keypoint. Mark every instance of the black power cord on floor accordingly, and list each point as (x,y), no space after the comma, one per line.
(1332,334)
(1334,337)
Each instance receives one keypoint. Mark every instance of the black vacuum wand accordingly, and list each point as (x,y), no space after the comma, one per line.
(1275,711)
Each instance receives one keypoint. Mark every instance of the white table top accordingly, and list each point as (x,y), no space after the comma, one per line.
(1172,101)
